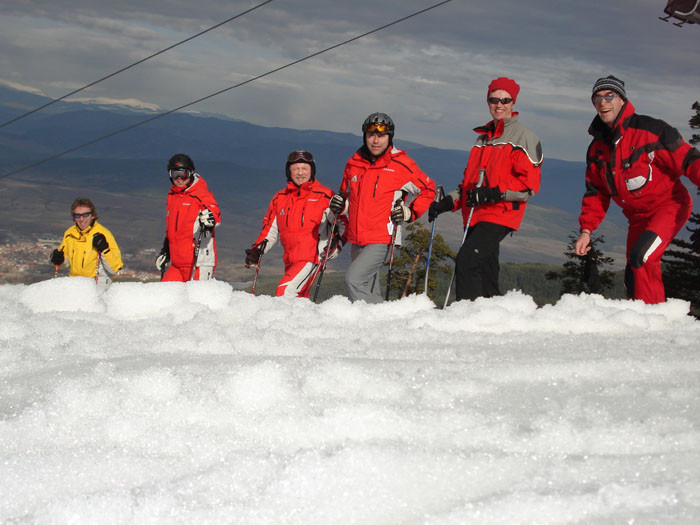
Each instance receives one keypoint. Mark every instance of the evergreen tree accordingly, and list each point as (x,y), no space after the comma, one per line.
(584,274)
(681,268)
(408,272)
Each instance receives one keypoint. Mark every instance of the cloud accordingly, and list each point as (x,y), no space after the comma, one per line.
(429,72)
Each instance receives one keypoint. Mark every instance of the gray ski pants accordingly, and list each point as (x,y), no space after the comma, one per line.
(362,277)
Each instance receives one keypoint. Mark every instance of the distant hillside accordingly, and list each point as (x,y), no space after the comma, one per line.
(242,163)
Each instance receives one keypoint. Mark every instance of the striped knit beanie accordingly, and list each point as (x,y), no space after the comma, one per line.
(612,83)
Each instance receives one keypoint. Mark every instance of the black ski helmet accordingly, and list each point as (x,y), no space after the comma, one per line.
(379,118)
(298,156)
(180,161)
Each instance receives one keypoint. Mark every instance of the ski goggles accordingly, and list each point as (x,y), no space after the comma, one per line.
(496,100)
(300,155)
(82,215)
(180,174)
(597,99)
(379,127)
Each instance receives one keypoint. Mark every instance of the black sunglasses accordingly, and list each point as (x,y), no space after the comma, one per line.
(496,100)
(82,215)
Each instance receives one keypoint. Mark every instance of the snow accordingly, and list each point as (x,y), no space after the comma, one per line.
(195,403)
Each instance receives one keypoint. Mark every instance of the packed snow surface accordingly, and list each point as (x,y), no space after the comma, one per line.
(194,403)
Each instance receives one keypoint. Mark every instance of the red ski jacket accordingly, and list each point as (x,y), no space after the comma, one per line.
(372,189)
(299,216)
(510,156)
(637,163)
(182,224)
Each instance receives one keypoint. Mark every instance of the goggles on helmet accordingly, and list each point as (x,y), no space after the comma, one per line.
(300,155)
(379,127)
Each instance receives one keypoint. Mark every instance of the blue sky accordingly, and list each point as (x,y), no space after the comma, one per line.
(430,73)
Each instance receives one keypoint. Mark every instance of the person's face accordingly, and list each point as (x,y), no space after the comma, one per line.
(82,215)
(300,173)
(377,143)
(607,110)
(497,108)
(181,177)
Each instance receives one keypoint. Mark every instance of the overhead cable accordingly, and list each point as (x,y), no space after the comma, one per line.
(161,115)
(134,64)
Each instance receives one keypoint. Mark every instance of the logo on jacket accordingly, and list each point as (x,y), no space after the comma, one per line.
(354,178)
(282,211)
(389,169)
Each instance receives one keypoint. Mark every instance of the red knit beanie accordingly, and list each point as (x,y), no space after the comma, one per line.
(507,84)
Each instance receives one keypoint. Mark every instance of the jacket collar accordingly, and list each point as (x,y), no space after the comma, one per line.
(601,131)
(496,128)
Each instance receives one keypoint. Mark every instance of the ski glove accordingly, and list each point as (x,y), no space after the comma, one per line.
(206,219)
(479,196)
(337,204)
(401,213)
(695,240)
(252,256)
(441,206)
(57,257)
(163,257)
(99,242)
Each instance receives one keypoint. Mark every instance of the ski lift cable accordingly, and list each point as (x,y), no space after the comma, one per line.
(161,115)
(134,64)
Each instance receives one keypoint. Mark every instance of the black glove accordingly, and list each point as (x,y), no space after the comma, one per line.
(695,240)
(479,196)
(401,213)
(252,256)
(337,204)
(163,257)
(57,257)
(99,242)
(441,206)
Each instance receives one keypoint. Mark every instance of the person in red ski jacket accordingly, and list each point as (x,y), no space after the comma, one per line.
(502,173)
(377,181)
(636,161)
(299,216)
(192,215)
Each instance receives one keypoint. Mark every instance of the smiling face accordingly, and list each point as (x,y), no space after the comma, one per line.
(377,143)
(83,217)
(300,173)
(607,111)
(499,110)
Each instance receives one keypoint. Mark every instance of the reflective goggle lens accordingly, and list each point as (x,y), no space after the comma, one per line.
(380,127)
(82,215)
(180,174)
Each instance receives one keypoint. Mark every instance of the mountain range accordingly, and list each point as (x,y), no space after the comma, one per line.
(243,165)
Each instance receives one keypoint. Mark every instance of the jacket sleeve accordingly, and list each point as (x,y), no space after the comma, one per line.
(112,257)
(209,202)
(678,156)
(526,175)
(423,188)
(595,203)
(269,230)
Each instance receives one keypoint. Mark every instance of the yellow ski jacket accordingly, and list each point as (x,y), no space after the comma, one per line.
(82,257)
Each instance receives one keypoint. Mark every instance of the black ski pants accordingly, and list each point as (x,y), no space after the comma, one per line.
(477,265)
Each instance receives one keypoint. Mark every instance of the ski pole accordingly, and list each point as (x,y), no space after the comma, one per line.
(438,197)
(325,258)
(262,246)
(391,253)
(196,252)
(482,172)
